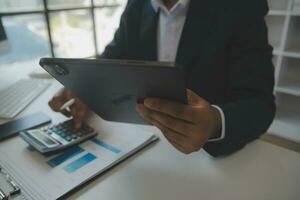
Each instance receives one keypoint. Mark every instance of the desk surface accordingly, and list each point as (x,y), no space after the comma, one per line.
(260,171)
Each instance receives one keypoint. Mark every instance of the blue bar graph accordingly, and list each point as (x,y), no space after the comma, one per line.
(65,156)
(80,162)
(106,146)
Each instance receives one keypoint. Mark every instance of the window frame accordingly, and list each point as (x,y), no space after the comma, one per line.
(47,11)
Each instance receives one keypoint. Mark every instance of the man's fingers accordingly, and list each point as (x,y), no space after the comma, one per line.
(186,127)
(181,111)
(180,126)
(179,138)
(78,115)
(195,100)
(59,99)
(182,142)
(77,120)
(66,113)
(175,139)
(177,146)
(78,111)
(56,102)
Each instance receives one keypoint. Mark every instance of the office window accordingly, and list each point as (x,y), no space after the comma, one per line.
(27,36)
(58,28)
(107,22)
(20,5)
(109,2)
(72,33)
(56,4)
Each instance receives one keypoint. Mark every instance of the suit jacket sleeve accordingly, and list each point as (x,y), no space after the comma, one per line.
(116,49)
(251,107)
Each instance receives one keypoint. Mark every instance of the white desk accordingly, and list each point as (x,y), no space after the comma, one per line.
(260,171)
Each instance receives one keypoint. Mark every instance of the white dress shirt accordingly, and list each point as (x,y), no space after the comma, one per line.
(170,27)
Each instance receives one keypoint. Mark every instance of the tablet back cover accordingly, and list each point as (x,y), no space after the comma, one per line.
(112,88)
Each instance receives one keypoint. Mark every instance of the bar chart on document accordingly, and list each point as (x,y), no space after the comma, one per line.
(82,156)
(51,177)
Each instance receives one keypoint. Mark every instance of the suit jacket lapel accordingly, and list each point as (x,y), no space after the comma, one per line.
(148,32)
(197,29)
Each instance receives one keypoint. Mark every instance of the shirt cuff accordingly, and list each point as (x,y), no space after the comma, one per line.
(223,125)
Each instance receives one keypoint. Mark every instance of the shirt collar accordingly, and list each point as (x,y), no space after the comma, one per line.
(157,4)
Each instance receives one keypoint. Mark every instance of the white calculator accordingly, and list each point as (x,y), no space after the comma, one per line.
(52,139)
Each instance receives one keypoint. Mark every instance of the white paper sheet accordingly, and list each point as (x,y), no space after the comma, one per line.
(39,180)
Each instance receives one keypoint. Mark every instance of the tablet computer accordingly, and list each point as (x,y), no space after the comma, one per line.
(112,88)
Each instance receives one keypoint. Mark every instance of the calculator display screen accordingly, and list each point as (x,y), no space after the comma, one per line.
(40,136)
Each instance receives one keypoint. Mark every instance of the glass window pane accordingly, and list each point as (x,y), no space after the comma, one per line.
(107,22)
(27,39)
(72,33)
(20,5)
(52,4)
(110,2)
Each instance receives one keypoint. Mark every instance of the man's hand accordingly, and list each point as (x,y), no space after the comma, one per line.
(78,109)
(186,127)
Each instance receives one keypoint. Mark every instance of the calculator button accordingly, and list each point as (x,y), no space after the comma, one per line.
(60,133)
(54,129)
(68,138)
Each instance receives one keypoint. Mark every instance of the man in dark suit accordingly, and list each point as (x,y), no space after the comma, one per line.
(223,47)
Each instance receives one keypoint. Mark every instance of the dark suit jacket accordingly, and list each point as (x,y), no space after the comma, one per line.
(226,58)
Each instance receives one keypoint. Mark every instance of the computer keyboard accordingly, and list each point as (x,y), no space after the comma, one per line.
(19,95)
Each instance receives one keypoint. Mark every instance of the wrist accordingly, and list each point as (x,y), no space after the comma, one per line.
(216,123)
